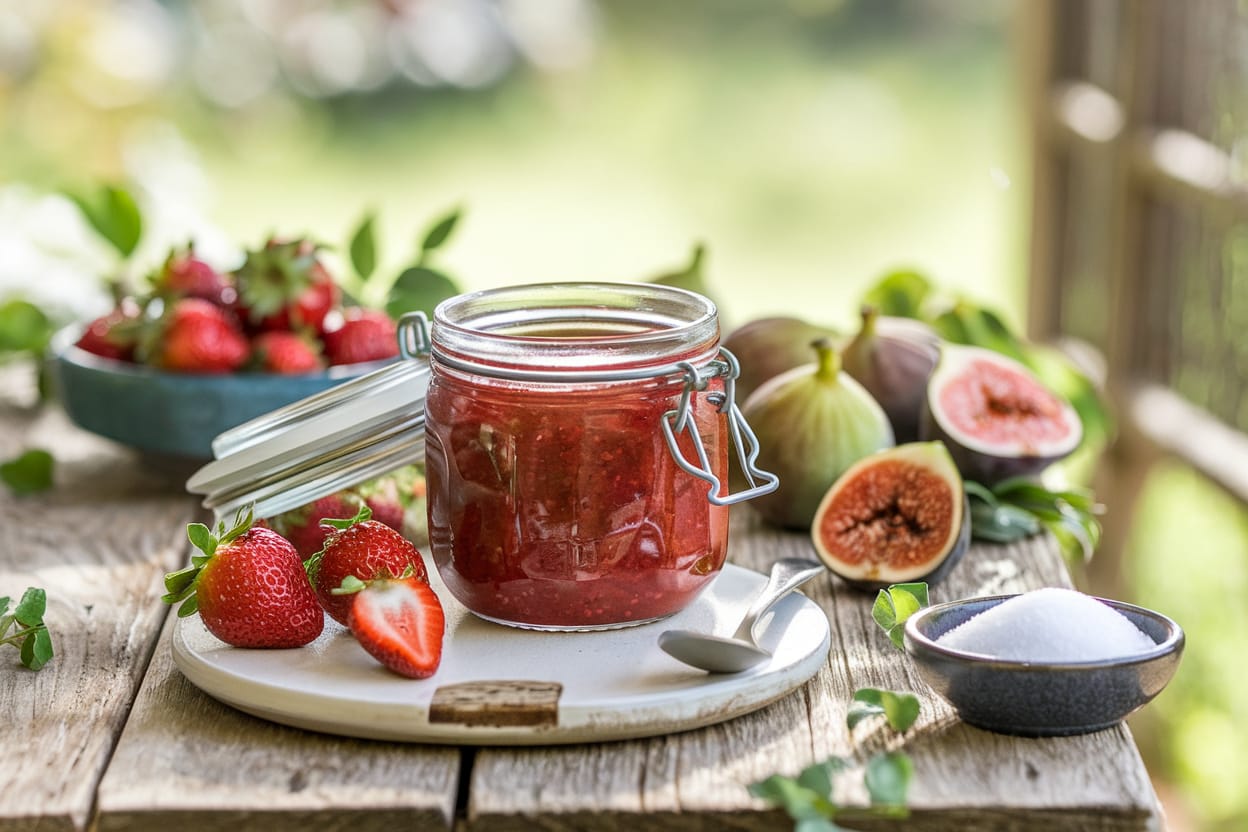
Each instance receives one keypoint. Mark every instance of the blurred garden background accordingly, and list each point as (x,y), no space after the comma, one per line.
(810,145)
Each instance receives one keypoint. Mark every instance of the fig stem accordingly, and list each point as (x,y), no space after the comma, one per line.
(869,314)
(829,359)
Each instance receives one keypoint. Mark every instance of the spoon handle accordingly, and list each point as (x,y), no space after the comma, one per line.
(787,575)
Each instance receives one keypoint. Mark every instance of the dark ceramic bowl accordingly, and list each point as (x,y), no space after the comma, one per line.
(172,415)
(1040,699)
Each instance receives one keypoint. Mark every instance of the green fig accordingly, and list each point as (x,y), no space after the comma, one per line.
(812,422)
(766,347)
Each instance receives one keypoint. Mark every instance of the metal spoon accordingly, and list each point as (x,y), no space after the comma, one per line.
(740,651)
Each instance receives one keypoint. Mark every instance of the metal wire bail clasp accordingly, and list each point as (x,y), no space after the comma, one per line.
(743,439)
(414,340)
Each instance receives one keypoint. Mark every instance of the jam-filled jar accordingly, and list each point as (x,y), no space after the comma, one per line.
(577,451)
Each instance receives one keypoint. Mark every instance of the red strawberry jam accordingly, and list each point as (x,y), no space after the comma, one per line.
(554,499)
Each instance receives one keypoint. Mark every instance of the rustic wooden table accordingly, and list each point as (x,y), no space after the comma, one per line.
(110,736)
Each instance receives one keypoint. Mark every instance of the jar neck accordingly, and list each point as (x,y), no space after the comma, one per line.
(575,331)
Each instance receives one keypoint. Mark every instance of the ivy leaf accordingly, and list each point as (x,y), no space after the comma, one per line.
(23,327)
(899,709)
(901,294)
(28,473)
(363,248)
(888,778)
(894,605)
(114,215)
(419,288)
(438,233)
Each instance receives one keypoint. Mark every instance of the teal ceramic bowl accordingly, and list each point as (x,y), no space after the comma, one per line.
(172,415)
(1041,699)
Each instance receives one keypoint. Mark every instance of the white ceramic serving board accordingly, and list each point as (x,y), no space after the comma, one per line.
(503,686)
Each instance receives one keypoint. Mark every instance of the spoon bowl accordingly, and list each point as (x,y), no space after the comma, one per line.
(740,651)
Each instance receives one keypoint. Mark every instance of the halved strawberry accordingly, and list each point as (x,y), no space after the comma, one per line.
(248,586)
(361,548)
(285,286)
(398,621)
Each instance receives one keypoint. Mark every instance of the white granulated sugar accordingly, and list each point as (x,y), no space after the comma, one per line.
(1049,625)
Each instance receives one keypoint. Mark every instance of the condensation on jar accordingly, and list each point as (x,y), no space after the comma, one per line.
(555,417)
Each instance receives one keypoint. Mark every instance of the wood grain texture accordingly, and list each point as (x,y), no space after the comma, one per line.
(185,759)
(98,543)
(965,779)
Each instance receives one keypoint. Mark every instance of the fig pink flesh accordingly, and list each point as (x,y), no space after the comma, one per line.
(999,405)
(893,514)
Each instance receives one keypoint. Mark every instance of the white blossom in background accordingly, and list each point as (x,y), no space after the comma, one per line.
(49,256)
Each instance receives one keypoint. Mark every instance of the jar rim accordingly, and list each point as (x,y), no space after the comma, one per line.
(575,329)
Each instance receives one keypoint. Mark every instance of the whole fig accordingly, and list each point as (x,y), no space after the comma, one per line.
(767,347)
(892,359)
(812,422)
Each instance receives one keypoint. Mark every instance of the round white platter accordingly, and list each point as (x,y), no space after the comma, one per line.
(503,686)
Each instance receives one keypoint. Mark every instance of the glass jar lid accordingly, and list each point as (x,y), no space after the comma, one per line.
(335,439)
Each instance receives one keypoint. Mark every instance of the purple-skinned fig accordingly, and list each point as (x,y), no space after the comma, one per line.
(893,358)
(766,347)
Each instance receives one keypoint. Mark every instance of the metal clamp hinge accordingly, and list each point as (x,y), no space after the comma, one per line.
(680,420)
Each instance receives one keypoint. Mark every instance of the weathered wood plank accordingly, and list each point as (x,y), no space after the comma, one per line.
(965,779)
(98,544)
(185,759)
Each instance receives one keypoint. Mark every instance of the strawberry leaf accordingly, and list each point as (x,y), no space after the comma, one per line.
(23,327)
(363,248)
(29,473)
(438,233)
(189,607)
(419,289)
(341,524)
(115,216)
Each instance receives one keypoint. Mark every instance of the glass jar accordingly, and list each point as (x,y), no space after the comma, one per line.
(577,443)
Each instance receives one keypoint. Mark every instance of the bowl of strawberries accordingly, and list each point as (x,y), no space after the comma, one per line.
(204,350)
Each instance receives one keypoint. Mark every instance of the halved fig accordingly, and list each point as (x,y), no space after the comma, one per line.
(896,516)
(996,417)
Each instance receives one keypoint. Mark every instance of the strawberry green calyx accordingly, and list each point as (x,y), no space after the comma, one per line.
(180,586)
(275,274)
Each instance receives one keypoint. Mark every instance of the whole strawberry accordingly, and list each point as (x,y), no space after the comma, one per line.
(383,498)
(113,335)
(284,286)
(287,353)
(196,336)
(398,621)
(364,549)
(302,526)
(248,585)
(184,275)
(365,335)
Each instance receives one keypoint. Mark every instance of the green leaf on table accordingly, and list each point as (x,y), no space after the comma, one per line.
(806,797)
(4,609)
(439,232)
(363,248)
(419,289)
(900,294)
(888,778)
(29,611)
(899,709)
(894,605)
(36,650)
(114,215)
(29,473)
(23,327)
